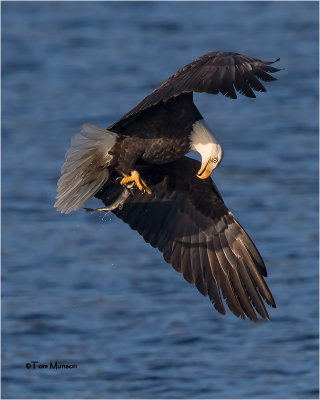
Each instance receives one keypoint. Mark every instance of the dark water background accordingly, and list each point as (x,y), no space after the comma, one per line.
(85,289)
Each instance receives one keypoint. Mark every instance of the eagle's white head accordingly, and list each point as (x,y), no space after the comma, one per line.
(204,142)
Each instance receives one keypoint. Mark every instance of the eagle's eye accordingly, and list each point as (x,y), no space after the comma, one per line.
(215,160)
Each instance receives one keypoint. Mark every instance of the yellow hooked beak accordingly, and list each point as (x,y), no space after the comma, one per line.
(206,169)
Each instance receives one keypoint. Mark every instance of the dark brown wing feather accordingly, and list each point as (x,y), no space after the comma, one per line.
(217,72)
(187,220)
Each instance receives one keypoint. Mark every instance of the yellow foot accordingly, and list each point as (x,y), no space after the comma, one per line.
(135,177)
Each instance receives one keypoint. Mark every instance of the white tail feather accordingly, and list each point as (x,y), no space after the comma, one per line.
(86,168)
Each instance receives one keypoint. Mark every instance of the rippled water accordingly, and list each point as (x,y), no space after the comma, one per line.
(87,290)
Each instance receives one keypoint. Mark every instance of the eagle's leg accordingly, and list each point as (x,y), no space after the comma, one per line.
(135,177)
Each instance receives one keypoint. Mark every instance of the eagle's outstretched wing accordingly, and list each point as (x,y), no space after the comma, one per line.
(217,72)
(187,220)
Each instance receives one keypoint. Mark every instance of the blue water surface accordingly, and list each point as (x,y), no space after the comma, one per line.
(84,289)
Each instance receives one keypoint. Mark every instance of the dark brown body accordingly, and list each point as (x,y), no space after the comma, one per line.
(158,135)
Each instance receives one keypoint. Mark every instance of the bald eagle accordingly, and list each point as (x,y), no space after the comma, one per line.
(139,169)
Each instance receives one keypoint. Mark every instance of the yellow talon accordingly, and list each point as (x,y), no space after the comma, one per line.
(135,177)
